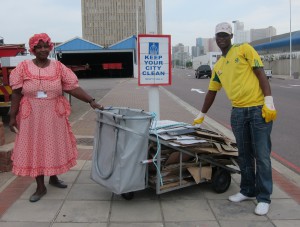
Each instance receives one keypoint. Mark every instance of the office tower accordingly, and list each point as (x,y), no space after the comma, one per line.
(107,22)
(239,34)
(262,33)
(206,45)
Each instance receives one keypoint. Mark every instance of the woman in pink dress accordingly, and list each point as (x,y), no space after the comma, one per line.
(44,144)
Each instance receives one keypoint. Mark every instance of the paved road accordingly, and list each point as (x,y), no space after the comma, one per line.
(286,94)
(97,88)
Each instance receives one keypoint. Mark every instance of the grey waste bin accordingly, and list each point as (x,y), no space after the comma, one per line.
(120,144)
(296,75)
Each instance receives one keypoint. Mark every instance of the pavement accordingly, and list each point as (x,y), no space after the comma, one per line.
(87,204)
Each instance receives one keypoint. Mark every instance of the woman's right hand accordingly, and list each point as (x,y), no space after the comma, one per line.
(13,125)
(96,105)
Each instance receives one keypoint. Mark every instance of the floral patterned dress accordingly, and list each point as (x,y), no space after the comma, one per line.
(45,144)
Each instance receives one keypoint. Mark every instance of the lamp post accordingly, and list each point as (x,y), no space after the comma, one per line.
(137,34)
(290,38)
(137,17)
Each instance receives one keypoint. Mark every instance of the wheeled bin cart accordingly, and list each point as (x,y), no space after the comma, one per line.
(121,143)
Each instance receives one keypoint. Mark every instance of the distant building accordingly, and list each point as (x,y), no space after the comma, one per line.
(197,50)
(242,36)
(262,33)
(106,22)
(208,59)
(239,34)
(277,53)
(204,45)
(180,55)
(278,44)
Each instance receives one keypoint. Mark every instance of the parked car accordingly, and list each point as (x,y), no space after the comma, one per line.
(203,71)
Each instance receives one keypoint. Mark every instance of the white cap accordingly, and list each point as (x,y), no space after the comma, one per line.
(224,27)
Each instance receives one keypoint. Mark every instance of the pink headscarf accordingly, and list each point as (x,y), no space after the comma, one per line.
(34,40)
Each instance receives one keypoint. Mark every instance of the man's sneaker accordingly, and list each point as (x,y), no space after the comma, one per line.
(238,197)
(262,208)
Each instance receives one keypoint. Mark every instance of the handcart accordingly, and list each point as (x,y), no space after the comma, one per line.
(212,159)
(134,154)
(182,155)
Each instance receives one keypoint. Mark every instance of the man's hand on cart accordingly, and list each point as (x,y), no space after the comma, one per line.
(199,119)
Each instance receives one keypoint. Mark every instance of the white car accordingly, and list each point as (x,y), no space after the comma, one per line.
(268,73)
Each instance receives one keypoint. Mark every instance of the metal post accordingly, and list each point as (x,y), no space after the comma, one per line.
(290,38)
(137,33)
(137,16)
(151,28)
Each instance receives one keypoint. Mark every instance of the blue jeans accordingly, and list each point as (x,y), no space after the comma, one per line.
(252,135)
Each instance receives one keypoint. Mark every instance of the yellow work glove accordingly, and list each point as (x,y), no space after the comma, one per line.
(268,111)
(199,119)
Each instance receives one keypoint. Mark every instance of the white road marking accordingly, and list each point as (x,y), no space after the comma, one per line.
(285,87)
(198,90)
(291,86)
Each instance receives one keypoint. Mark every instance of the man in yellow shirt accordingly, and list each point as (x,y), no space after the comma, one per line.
(240,72)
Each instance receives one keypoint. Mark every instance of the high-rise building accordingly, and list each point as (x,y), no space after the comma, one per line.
(262,33)
(197,51)
(241,36)
(180,55)
(106,22)
(205,45)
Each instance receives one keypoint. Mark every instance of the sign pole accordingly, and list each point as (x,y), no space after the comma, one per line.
(151,28)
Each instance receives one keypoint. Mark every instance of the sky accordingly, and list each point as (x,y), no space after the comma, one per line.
(184,20)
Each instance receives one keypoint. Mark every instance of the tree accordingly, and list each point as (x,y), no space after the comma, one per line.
(177,63)
(189,64)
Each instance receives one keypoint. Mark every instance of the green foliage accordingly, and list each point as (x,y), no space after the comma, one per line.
(189,64)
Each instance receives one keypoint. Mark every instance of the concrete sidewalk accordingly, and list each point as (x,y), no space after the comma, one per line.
(85,203)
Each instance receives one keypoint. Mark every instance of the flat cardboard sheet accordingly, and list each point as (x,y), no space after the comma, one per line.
(198,173)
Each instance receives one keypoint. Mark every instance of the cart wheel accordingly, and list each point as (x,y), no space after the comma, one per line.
(128,195)
(221,180)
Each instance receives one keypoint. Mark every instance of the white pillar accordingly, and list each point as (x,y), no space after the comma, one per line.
(151,17)
(151,28)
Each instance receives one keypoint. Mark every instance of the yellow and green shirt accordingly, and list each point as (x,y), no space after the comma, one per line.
(234,72)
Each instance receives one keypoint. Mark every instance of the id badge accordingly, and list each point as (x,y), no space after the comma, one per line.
(41,94)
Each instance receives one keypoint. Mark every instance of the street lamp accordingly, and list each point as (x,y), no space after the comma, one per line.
(290,38)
